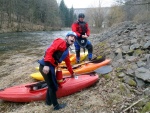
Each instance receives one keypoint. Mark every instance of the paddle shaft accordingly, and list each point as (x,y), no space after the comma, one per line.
(95,60)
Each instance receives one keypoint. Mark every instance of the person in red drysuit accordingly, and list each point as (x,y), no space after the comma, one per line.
(55,54)
(80,27)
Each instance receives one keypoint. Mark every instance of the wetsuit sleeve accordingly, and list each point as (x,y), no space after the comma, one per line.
(68,64)
(74,29)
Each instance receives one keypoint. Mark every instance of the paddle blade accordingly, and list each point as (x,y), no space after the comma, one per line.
(104,69)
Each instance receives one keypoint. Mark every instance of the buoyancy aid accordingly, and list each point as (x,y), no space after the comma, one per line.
(58,56)
(52,68)
(81,28)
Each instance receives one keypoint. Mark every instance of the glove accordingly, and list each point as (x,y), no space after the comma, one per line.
(46,69)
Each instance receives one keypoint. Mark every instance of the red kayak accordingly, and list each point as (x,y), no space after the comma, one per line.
(37,91)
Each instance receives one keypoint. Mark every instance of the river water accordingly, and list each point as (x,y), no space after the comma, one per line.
(18,42)
(23,40)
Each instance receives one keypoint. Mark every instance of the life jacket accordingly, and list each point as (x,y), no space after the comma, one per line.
(62,56)
(82,29)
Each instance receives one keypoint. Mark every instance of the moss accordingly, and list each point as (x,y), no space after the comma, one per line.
(129,66)
(102,44)
(117,74)
(119,69)
(132,82)
(121,79)
(122,88)
(138,52)
(107,76)
(146,108)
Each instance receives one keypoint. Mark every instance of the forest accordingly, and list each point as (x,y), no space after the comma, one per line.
(32,15)
(28,15)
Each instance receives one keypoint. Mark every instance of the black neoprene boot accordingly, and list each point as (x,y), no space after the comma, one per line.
(60,106)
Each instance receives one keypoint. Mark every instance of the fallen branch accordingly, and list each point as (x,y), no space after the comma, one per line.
(133,104)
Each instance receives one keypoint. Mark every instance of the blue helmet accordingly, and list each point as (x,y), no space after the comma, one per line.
(71,33)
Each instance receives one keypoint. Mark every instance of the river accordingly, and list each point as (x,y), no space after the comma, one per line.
(18,42)
(24,40)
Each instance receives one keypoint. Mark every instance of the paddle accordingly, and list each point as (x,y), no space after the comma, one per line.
(102,70)
(94,60)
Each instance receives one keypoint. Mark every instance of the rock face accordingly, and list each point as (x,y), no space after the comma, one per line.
(128,45)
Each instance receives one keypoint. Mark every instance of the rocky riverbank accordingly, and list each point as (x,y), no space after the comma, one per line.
(128,45)
(125,89)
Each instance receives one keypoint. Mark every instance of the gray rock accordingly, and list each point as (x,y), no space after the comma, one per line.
(129,81)
(131,58)
(118,54)
(141,64)
(130,72)
(122,75)
(147,38)
(134,66)
(143,74)
(125,49)
(140,83)
(146,45)
(134,46)
(133,41)
(147,56)
(147,91)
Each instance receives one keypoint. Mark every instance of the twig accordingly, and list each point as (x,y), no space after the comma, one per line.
(133,104)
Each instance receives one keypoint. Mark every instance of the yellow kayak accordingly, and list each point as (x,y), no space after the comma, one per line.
(73,59)
(85,68)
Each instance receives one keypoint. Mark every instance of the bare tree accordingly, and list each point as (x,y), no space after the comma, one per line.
(116,15)
(96,16)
